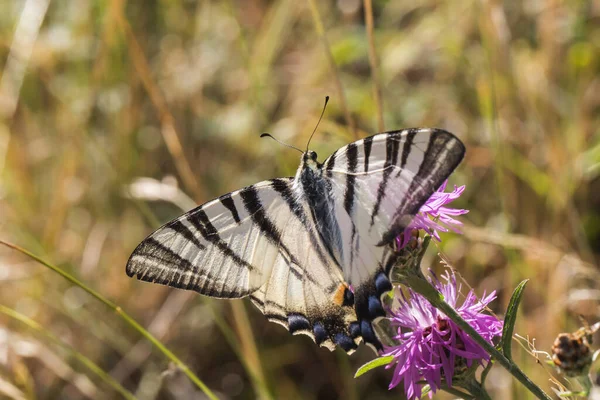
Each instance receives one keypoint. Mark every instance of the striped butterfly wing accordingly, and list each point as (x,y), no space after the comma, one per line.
(216,249)
(308,294)
(257,241)
(379,184)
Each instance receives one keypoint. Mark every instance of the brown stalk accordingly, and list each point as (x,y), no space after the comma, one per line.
(336,76)
(168,129)
(368,4)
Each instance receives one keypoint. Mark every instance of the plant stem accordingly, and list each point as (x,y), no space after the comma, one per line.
(132,322)
(476,389)
(420,285)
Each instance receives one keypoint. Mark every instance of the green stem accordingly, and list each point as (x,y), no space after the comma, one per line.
(476,389)
(424,288)
(117,309)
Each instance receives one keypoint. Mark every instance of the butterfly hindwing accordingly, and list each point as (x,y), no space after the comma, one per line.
(308,294)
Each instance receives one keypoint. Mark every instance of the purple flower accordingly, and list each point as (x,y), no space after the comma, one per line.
(433,217)
(431,345)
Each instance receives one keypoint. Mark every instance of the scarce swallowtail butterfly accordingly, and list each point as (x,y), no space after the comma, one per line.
(314,251)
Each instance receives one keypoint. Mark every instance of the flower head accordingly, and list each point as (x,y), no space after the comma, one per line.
(434,217)
(431,346)
(572,354)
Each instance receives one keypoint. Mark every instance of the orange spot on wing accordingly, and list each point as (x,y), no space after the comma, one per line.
(338,297)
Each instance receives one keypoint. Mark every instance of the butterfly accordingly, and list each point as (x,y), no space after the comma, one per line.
(313,252)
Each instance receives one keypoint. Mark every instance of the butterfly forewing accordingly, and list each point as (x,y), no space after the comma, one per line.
(387,177)
(380,183)
(216,249)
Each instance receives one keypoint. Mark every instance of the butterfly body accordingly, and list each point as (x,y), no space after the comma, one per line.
(313,251)
(315,190)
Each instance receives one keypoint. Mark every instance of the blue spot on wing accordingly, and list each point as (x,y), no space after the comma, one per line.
(367,332)
(319,332)
(344,341)
(354,329)
(375,307)
(297,322)
(382,283)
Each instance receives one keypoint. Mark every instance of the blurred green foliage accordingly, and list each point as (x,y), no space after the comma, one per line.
(95,95)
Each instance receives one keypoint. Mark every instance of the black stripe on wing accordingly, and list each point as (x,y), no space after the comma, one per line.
(410,137)
(349,193)
(184,231)
(174,270)
(201,222)
(330,163)
(228,203)
(391,157)
(283,187)
(255,209)
(367,144)
(443,154)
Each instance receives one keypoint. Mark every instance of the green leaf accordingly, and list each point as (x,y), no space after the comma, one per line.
(378,362)
(511,318)
(425,390)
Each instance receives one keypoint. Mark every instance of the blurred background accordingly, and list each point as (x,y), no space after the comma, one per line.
(116,116)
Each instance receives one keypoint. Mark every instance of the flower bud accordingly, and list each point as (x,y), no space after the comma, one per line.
(571,353)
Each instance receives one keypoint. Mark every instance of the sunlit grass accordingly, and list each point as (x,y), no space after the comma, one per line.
(180,91)
(85,361)
(116,309)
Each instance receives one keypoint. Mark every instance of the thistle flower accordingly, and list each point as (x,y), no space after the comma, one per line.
(431,346)
(434,217)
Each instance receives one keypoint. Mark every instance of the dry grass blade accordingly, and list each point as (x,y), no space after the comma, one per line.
(168,130)
(88,363)
(373,61)
(168,97)
(117,309)
(249,351)
(10,390)
(332,66)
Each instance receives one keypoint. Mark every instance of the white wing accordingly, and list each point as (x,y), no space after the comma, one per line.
(378,184)
(217,249)
(256,240)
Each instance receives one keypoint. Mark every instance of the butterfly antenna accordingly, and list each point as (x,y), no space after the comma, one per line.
(280,142)
(318,122)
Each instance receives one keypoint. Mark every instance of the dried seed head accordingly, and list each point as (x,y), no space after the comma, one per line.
(571,353)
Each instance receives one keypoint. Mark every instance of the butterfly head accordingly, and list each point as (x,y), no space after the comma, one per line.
(309,159)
